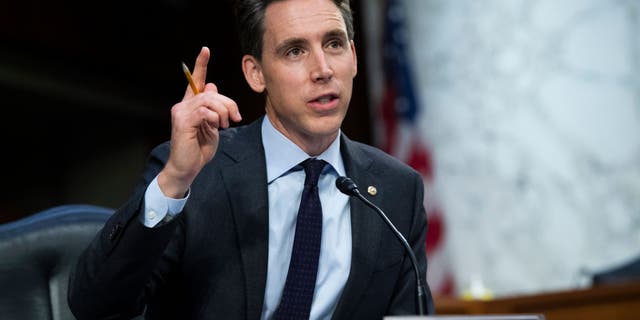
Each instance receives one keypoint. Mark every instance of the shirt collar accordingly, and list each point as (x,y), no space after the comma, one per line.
(282,154)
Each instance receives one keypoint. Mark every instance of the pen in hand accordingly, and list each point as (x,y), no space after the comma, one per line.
(187,73)
(203,125)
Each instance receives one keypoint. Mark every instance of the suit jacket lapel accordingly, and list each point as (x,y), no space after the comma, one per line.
(245,181)
(365,229)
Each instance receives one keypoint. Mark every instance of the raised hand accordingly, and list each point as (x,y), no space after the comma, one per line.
(195,122)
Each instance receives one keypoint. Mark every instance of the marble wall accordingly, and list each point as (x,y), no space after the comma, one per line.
(532,111)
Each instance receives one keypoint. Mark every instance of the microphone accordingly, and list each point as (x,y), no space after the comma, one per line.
(348,187)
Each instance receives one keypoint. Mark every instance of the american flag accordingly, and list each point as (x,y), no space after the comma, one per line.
(399,111)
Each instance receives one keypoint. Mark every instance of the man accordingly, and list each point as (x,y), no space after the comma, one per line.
(210,232)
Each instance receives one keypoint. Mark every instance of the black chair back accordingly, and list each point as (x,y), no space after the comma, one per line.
(36,254)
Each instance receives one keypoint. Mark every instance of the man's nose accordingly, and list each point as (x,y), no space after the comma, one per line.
(321,69)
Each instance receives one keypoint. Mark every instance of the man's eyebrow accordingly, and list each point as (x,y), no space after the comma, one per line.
(291,42)
(300,42)
(336,33)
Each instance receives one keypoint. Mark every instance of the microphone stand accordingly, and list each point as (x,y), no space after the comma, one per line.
(348,187)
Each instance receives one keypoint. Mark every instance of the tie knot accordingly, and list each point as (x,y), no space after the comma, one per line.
(312,169)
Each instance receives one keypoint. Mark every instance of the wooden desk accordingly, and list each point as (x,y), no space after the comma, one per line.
(619,302)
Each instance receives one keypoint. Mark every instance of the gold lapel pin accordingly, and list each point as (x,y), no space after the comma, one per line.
(372,190)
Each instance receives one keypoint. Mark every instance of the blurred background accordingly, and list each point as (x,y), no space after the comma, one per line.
(522,116)
(528,113)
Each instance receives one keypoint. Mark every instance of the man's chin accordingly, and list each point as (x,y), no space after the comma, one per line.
(325,127)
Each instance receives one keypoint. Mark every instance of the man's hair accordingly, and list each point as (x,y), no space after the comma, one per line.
(250,23)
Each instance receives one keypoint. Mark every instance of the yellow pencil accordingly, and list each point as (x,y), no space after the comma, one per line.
(191,83)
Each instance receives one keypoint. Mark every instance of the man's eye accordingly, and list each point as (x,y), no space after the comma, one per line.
(294,52)
(334,44)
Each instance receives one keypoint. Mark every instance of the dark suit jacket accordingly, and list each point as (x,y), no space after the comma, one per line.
(211,261)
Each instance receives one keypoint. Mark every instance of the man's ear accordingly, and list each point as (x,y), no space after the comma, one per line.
(355,58)
(253,73)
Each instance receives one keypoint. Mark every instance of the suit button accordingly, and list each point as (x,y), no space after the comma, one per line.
(115,230)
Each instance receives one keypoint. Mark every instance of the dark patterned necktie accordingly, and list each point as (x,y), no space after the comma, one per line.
(303,268)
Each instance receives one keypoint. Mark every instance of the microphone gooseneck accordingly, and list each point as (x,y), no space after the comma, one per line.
(348,187)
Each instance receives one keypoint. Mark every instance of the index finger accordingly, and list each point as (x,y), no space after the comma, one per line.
(200,70)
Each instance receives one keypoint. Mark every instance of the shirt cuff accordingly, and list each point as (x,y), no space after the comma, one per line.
(158,207)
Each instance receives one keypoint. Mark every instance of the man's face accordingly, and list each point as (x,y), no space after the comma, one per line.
(308,65)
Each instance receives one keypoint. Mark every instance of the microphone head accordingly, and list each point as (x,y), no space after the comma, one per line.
(346,186)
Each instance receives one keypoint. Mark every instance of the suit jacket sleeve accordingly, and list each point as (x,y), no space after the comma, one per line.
(125,262)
